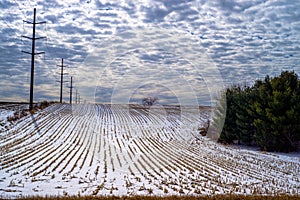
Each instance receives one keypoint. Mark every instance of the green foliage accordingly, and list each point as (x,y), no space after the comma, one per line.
(216,124)
(266,114)
(229,129)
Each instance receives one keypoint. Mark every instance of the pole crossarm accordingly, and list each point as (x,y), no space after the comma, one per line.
(36,38)
(38,53)
(32,53)
(24,36)
(28,22)
(26,52)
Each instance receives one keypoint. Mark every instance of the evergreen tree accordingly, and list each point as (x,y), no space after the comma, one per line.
(229,129)
(244,121)
(263,132)
(267,114)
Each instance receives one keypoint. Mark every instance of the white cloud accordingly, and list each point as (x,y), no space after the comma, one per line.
(245,40)
(151,56)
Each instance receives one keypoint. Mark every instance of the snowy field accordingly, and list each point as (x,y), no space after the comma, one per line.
(129,150)
(8,110)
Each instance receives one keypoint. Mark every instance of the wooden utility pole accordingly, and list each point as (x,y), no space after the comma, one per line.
(76,97)
(61,79)
(71,87)
(33,38)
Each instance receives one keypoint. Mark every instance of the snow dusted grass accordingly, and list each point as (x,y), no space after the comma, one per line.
(116,150)
(216,197)
(9,112)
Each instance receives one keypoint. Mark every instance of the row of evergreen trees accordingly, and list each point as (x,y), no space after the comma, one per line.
(266,114)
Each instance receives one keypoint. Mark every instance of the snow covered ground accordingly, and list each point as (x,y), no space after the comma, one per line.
(8,110)
(129,150)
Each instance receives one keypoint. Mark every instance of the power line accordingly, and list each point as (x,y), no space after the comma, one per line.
(49,49)
(20,9)
(29,4)
(49,59)
(14,30)
(47,43)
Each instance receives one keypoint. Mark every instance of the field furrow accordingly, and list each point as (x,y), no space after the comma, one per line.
(101,149)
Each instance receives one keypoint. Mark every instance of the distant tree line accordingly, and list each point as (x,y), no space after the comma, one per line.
(266,114)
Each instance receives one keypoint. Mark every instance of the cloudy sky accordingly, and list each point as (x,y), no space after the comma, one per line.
(121,51)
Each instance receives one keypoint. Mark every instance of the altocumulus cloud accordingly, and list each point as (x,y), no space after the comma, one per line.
(114,49)
(144,57)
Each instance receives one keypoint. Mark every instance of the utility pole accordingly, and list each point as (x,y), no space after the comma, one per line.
(71,87)
(32,53)
(61,79)
(76,97)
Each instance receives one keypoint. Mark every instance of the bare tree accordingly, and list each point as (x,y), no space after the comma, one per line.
(203,130)
(149,101)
